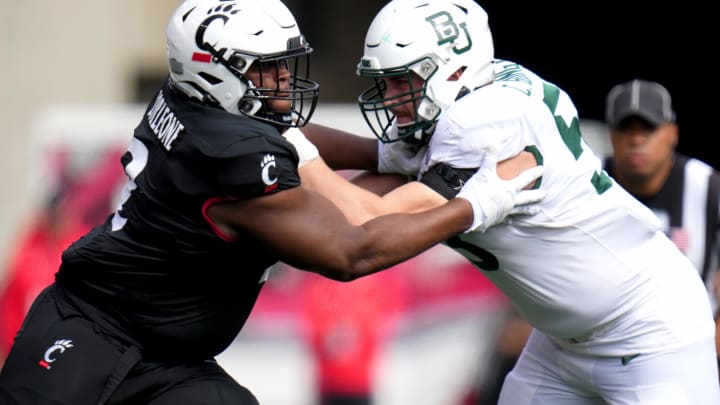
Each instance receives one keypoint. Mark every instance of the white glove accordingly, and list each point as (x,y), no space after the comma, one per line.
(400,157)
(305,149)
(493,199)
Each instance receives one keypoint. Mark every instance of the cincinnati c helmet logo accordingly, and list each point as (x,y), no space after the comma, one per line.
(200,33)
(447,31)
(268,175)
(50,354)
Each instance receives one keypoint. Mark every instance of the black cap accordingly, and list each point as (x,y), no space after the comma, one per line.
(639,98)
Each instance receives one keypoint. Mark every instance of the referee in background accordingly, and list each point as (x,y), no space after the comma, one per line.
(682,191)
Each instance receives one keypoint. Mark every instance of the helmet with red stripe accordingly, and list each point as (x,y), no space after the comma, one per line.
(213,44)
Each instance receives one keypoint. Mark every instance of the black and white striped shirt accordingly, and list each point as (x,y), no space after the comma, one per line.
(687,205)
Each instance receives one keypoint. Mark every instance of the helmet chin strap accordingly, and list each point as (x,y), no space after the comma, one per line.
(255,108)
(426,133)
(284,117)
(424,129)
(418,133)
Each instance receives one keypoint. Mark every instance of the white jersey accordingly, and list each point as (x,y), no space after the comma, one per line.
(592,269)
(687,207)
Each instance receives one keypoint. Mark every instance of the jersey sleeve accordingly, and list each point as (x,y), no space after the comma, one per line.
(264,166)
(445,180)
(463,135)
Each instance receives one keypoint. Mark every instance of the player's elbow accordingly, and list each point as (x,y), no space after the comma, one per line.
(343,274)
(348,269)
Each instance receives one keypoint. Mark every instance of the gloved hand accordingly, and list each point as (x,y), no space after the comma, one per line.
(493,199)
(400,157)
(305,149)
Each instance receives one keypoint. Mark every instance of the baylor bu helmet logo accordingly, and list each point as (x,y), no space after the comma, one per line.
(447,31)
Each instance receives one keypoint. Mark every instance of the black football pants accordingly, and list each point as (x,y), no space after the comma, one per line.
(61,358)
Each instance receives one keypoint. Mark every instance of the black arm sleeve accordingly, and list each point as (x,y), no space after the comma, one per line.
(446,180)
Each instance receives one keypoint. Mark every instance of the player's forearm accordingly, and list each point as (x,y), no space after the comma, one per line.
(343,150)
(379,184)
(357,204)
(390,239)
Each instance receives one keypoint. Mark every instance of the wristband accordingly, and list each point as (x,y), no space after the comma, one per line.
(306,150)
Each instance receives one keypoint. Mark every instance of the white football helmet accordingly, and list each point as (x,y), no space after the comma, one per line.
(433,39)
(212,43)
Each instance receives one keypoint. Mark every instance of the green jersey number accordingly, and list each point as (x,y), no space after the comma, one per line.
(560,106)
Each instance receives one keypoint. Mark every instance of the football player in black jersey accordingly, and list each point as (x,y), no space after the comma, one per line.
(143,303)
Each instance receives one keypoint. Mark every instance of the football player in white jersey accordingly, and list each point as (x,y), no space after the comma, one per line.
(619,313)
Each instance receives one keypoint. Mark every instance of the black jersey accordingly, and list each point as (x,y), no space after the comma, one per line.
(157,268)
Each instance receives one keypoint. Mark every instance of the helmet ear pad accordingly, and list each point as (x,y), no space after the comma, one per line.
(446,42)
(211,44)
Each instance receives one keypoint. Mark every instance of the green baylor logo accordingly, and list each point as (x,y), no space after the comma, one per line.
(447,31)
